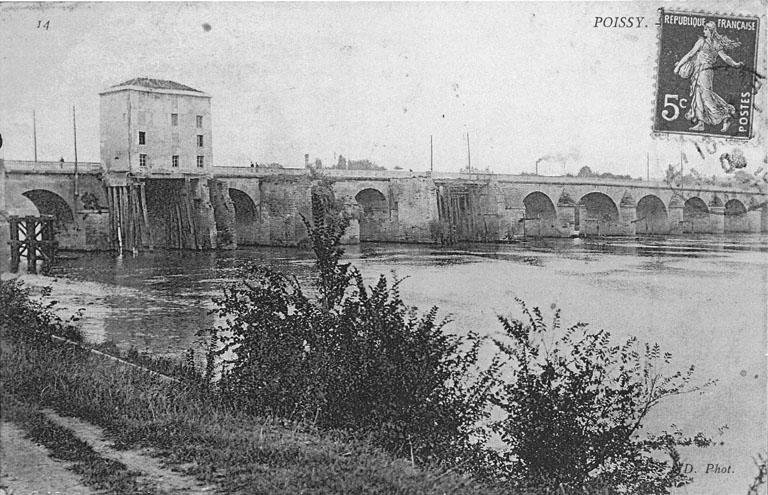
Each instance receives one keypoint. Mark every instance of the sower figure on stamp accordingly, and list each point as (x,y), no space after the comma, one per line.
(707,107)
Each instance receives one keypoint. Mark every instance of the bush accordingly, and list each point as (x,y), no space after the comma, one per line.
(761,478)
(575,406)
(352,357)
(21,313)
(30,320)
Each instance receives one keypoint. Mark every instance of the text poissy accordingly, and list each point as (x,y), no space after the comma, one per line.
(619,22)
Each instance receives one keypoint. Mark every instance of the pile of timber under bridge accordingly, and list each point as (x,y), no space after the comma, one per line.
(99,209)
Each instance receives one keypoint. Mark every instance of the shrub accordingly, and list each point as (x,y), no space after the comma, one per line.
(31,320)
(761,478)
(352,357)
(21,313)
(575,405)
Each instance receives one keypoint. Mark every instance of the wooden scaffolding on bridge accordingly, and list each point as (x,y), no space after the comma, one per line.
(168,202)
(33,238)
(128,218)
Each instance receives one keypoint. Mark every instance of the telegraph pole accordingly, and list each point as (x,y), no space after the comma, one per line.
(469,156)
(74,128)
(431,155)
(34,132)
(648,166)
(681,168)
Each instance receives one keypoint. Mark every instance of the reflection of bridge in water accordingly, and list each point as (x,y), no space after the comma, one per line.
(253,206)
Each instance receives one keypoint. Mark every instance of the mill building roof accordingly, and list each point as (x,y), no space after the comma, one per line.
(149,84)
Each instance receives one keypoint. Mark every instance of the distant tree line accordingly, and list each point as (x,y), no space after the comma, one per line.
(345,164)
(585,171)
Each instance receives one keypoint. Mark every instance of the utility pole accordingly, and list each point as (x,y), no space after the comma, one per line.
(469,156)
(648,166)
(681,168)
(34,132)
(431,155)
(74,128)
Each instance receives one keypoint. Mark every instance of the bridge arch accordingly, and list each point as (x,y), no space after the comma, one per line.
(736,217)
(245,209)
(696,216)
(50,203)
(652,217)
(598,215)
(246,216)
(374,214)
(540,207)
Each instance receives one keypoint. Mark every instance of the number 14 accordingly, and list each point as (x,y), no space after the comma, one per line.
(45,26)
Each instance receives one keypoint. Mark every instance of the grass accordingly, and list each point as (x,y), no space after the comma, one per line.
(95,471)
(207,439)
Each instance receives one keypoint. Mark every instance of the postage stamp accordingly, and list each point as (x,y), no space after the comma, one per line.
(706,74)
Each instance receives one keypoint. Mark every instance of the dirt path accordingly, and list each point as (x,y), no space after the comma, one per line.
(166,480)
(26,467)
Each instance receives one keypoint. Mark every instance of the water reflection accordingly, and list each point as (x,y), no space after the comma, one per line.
(158,301)
(155,301)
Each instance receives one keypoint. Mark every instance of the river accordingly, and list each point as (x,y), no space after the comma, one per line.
(701,298)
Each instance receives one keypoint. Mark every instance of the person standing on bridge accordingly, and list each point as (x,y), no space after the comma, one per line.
(707,107)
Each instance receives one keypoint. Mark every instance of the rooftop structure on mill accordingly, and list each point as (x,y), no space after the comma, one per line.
(154,127)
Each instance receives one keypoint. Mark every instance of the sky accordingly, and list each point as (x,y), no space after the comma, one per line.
(529,82)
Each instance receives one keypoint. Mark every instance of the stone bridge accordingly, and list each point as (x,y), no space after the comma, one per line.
(434,207)
(260,206)
(48,188)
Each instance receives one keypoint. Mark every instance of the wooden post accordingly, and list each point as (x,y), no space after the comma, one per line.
(45,245)
(115,218)
(116,203)
(190,220)
(112,213)
(188,210)
(167,216)
(31,245)
(145,215)
(15,243)
(139,217)
(132,217)
(180,225)
(126,214)
(119,220)
(48,243)
(135,222)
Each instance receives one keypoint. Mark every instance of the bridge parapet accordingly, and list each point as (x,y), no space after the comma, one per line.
(256,172)
(52,168)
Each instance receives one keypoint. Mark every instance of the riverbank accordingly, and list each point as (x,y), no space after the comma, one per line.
(178,422)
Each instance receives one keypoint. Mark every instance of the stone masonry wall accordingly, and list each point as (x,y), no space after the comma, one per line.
(223,214)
